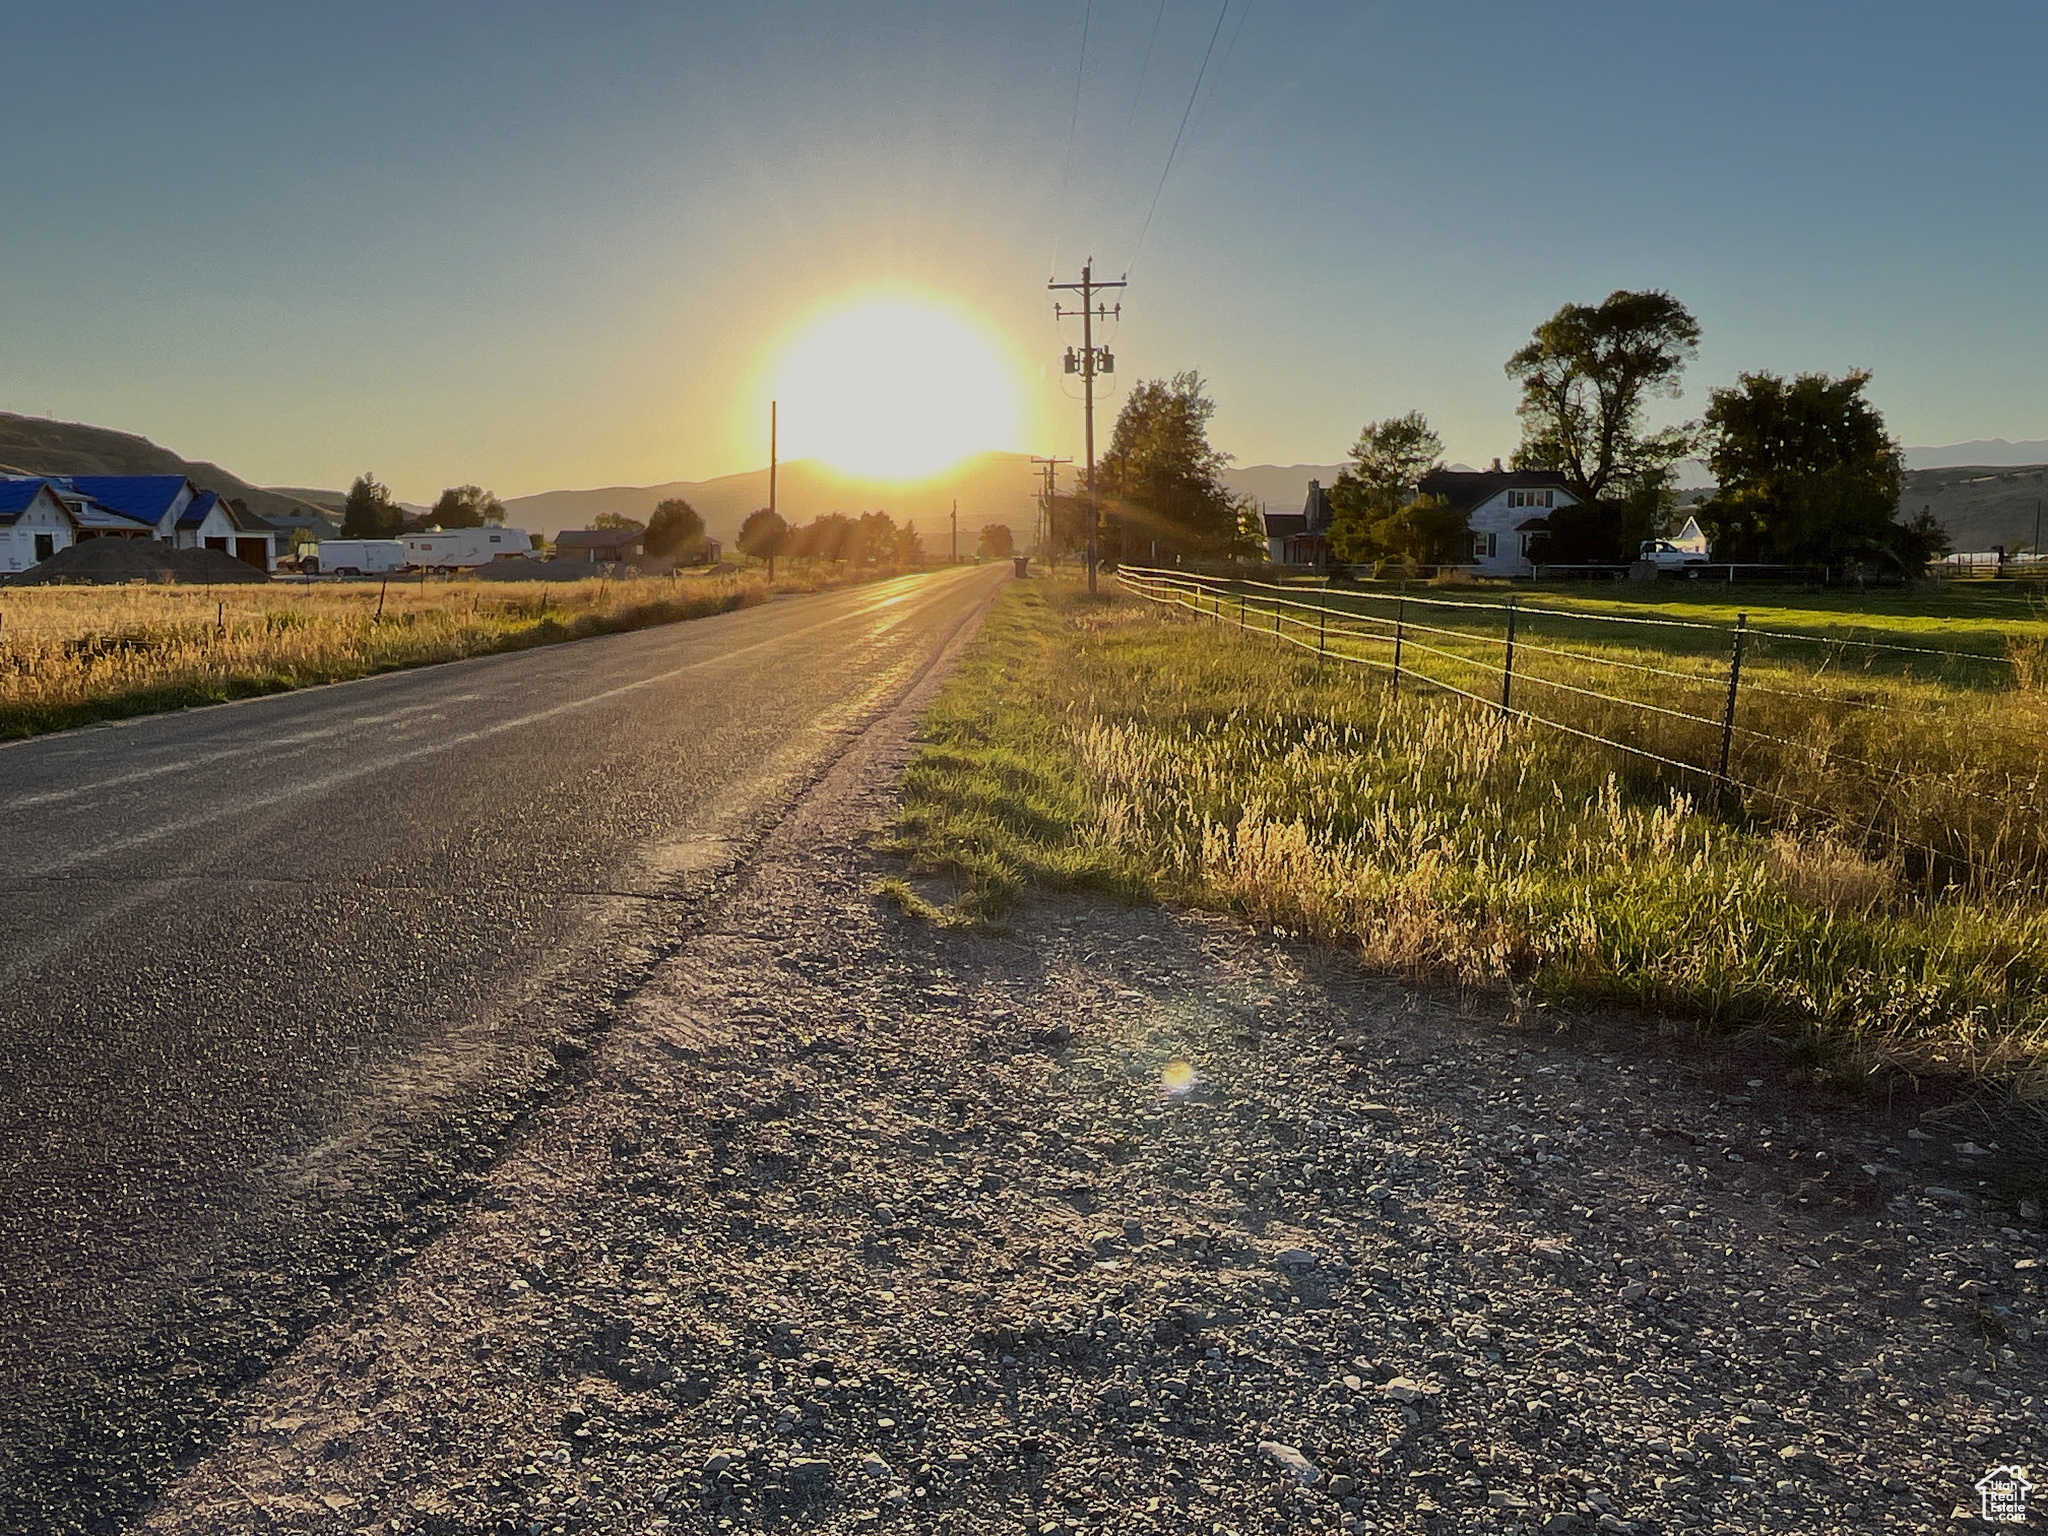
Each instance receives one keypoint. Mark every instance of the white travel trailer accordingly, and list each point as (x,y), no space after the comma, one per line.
(452,549)
(359,557)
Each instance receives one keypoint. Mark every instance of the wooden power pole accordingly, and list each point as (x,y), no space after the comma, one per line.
(1042,537)
(1090,360)
(772,407)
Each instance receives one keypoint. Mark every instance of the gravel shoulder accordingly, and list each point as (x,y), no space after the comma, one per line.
(1136,1220)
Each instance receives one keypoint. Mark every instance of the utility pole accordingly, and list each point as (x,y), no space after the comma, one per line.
(956,532)
(1042,537)
(1090,360)
(772,408)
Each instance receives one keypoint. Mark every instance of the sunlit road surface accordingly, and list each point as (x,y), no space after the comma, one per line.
(273,974)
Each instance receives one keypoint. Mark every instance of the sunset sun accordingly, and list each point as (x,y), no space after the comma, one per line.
(894,389)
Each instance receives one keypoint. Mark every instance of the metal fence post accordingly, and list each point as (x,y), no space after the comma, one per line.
(1507,666)
(1728,715)
(1276,616)
(1240,608)
(1400,616)
(1322,624)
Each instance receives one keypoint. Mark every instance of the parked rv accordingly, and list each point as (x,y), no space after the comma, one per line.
(453,549)
(356,557)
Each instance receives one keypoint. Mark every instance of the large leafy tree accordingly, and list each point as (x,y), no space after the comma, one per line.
(1428,531)
(675,529)
(875,536)
(997,542)
(763,535)
(1807,473)
(1585,375)
(467,506)
(369,512)
(1387,463)
(1164,481)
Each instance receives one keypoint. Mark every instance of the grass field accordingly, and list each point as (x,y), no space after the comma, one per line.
(1913,726)
(1121,747)
(71,655)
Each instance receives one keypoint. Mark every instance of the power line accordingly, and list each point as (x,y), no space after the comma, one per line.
(1080,73)
(1145,68)
(1073,122)
(1204,70)
(1222,65)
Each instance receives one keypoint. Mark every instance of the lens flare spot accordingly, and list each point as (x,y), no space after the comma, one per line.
(1177,1078)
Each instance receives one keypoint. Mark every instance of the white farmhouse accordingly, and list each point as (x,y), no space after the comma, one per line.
(34,523)
(1301,539)
(1507,510)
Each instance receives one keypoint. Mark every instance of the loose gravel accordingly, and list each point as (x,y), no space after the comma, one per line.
(1138,1221)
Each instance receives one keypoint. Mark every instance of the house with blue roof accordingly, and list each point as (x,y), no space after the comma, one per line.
(34,523)
(169,508)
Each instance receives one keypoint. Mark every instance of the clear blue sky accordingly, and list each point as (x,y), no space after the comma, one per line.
(549,246)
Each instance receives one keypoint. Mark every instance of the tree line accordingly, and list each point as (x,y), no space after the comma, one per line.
(872,538)
(675,530)
(1806,472)
(371,513)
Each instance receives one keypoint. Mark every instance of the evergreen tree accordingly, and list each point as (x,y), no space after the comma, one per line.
(369,512)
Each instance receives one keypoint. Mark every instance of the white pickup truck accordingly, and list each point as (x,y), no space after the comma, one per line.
(1667,556)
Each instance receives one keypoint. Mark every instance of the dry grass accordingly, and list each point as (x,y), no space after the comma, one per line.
(1937,762)
(73,654)
(1118,746)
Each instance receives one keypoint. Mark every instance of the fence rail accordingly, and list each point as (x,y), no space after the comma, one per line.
(1399,635)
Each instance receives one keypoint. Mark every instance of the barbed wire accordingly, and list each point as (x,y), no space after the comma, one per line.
(1584,616)
(1176,583)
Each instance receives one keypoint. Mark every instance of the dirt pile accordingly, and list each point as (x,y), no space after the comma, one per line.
(523,569)
(115,562)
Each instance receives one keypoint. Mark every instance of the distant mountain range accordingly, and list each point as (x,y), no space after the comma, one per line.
(1984,492)
(989,487)
(1994,450)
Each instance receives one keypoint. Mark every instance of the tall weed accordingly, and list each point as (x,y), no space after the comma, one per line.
(1194,763)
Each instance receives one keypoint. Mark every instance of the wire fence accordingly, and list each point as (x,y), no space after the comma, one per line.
(1697,690)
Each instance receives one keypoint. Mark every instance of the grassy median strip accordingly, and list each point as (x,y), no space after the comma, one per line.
(73,655)
(1109,745)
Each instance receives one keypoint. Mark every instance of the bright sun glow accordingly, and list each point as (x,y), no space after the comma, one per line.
(894,389)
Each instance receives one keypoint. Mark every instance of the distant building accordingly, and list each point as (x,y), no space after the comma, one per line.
(1683,530)
(1507,510)
(169,508)
(600,546)
(1301,539)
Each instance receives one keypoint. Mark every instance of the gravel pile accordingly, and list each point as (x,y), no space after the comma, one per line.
(1140,1222)
(115,562)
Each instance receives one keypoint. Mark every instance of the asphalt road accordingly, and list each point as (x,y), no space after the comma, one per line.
(277,977)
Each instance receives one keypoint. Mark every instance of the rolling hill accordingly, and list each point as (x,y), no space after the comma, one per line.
(35,445)
(1981,505)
